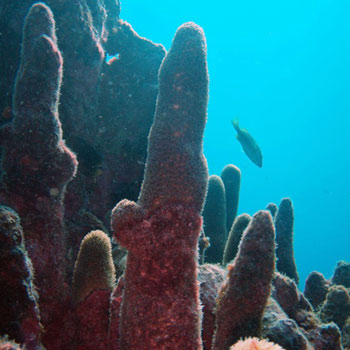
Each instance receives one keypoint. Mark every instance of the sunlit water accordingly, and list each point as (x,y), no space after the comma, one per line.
(282,68)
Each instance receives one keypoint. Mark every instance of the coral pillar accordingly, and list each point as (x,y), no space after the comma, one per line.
(214,219)
(234,237)
(18,298)
(231,176)
(242,300)
(37,165)
(284,223)
(36,159)
(160,307)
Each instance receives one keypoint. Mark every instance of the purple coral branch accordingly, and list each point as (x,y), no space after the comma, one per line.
(242,300)
(160,307)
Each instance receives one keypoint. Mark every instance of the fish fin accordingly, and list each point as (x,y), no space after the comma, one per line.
(235,124)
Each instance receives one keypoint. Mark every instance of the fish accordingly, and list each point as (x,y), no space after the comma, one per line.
(250,147)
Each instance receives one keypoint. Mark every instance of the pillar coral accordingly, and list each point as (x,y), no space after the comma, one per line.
(234,237)
(327,337)
(282,330)
(336,307)
(19,309)
(214,219)
(93,282)
(293,302)
(91,321)
(114,311)
(231,176)
(272,208)
(211,278)
(94,268)
(341,275)
(160,307)
(316,288)
(284,223)
(36,161)
(242,299)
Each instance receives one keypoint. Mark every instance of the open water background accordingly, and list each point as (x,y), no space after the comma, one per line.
(282,68)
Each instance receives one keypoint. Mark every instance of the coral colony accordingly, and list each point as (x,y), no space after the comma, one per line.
(102,242)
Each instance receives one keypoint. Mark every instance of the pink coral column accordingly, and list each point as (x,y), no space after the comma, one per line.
(160,307)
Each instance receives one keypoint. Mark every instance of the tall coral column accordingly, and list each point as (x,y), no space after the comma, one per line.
(242,300)
(160,308)
(37,165)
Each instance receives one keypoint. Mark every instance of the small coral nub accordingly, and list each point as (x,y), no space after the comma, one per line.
(94,267)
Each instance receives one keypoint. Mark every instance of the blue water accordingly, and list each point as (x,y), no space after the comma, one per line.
(282,68)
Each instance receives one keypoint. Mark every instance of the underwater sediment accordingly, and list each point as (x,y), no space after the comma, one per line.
(103,185)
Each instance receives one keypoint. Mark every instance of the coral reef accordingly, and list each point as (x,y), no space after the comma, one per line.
(214,219)
(293,302)
(131,126)
(94,268)
(234,237)
(284,222)
(160,308)
(91,321)
(231,177)
(19,309)
(106,108)
(211,278)
(328,338)
(341,275)
(272,208)
(336,307)
(37,165)
(282,330)
(114,311)
(241,301)
(345,334)
(316,288)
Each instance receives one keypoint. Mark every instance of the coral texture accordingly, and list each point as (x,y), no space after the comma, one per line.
(234,237)
(293,302)
(214,219)
(327,337)
(114,310)
(19,309)
(93,282)
(316,288)
(106,107)
(242,299)
(231,176)
(211,278)
(336,307)
(341,274)
(160,308)
(282,330)
(94,268)
(37,165)
(284,222)
(272,208)
(99,113)
(91,317)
